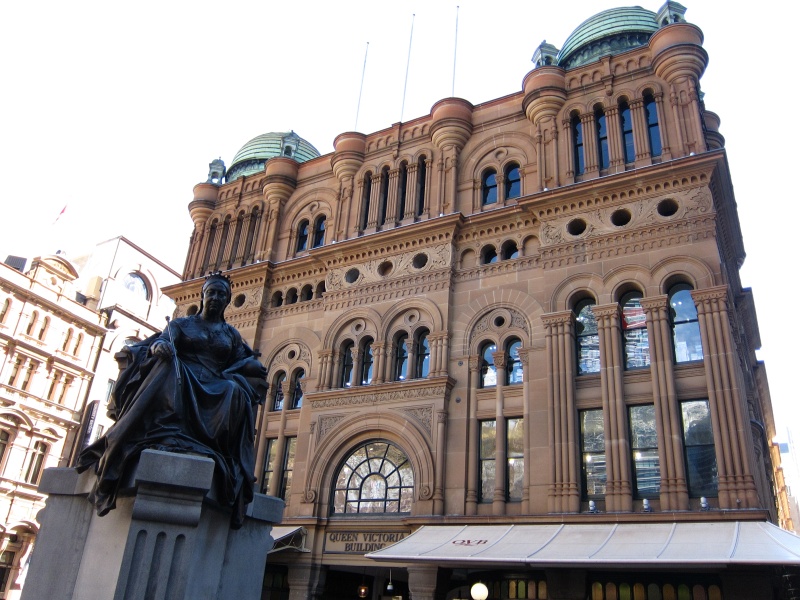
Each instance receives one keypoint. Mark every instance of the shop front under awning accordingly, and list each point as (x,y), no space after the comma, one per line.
(651,545)
(289,538)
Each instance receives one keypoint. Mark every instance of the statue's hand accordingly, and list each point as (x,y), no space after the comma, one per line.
(162,349)
(253,368)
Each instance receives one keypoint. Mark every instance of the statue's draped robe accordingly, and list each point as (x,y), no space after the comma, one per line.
(208,410)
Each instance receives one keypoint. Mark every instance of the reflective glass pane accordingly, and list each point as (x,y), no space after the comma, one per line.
(488,439)
(516,471)
(634,331)
(587,339)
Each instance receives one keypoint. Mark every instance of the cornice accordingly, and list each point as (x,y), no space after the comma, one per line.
(379,394)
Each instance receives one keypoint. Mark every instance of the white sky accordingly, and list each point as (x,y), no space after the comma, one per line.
(115,110)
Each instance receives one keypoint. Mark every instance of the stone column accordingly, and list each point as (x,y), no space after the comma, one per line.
(473,437)
(422,582)
(441,445)
(379,350)
(375,201)
(641,138)
(564,495)
(616,158)
(726,400)
(674,493)
(411,189)
(391,217)
(500,475)
(615,421)
(526,423)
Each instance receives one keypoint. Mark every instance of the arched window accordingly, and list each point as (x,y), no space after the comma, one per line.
(376,478)
(587,341)
(366,362)
(577,143)
(319,290)
(422,355)
(5,439)
(78,344)
(488,370)
(251,231)
(653,130)
(346,357)
(237,236)
(509,250)
(513,184)
(366,195)
(686,343)
(384,199)
(421,175)
(319,232)
(35,463)
(67,340)
(4,309)
(513,362)
(602,138)
(277,391)
(277,299)
(402,182)
(32,323)
(291,296)
(302,236)
(223,240)
(297,388)
(307,293)
(634,332)
(212,236)
(488,255)
(45,327)
(626,124)
(489,187)
(400,367)
(136,286)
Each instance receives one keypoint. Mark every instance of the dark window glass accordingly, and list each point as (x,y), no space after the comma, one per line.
(587,340)
(4,310)
(488,370)
(6,566)
(577,144)
(302,236)
(487,460)
(513,362)
(515,456)
(653,131)
(269,464)
(602,139)
(402,181)
(375,478)
(422,355)
(366,362)
(4,439)
(45,327)
(634,332)
(626,123)
(644,451)
(32,323)
(319,232)
(347,365)
(686,341)
(297,389)
(384,199)
(277,394)
(421,175)
(35,463)
(698,443)
(366,199)
(488,255)
(288,467)
(489,187)
(593,447)
(400,357)
(512,182)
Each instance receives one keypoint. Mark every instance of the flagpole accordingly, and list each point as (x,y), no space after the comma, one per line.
(361,89)
(455,52)
(408,65)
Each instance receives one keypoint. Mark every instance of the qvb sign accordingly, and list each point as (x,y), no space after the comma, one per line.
(360,542)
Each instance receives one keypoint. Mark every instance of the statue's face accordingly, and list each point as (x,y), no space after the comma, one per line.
(216,296)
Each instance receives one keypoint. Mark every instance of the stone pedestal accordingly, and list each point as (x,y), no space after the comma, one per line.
(164,541)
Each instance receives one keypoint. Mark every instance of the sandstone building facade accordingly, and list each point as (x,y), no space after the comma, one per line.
(526,312)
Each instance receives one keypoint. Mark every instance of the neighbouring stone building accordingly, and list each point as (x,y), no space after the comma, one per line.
(510,337)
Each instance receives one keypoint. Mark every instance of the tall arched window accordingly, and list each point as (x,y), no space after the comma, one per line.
(67,340)
(277,391)
(5,438)
(488,255)
(249,248)
(319,232)
(223,240)
(509,250)
(421,176)
(346,357)
(602,138)
(376,478)
(653,130)
(302,236)
(577,144)
(422,355)
(4,309)
(513,362)
(366,362)
(297,388)
(634,332)
(686,343)
(513,183)
(44,328)
(587,341)
(489,187)
(366,199)
(307,293)
(35,463)
(237,237)
(402,181)
(400,367)
(32,323)
(626,125)
(488,370)
(384,199)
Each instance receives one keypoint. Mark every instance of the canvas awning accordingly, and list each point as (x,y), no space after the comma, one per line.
(289,538)
(667,545)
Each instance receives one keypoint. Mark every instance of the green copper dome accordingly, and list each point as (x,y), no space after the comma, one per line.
(609,32)
(250,159)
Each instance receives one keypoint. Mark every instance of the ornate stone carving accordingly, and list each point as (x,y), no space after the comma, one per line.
(326,423)
(355,399)
(498,319)
(422,415)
